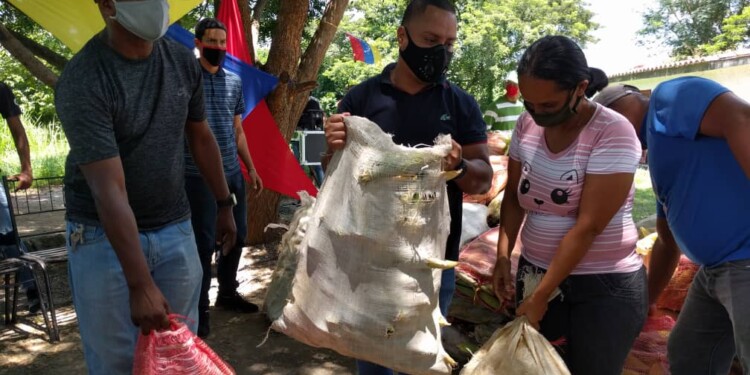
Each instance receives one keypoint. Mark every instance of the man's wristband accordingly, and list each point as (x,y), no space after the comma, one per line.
(463,167)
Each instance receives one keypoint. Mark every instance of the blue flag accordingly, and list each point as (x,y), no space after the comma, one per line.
(256,84)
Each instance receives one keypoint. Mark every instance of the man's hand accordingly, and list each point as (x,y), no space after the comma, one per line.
(335,131)
(148,308)
(255,182)
(454,157)
(226,230)
(24,180)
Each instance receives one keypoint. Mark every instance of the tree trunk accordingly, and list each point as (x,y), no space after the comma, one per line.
(312,59)
(27,58)
(296,72)
(252,27)
(282,62)
(53,58)
(247,23)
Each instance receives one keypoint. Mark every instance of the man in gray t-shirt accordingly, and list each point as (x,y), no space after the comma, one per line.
(127,102)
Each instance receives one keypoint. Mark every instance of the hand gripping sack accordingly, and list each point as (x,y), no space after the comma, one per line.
(357,271)
(516,349)
(176,351)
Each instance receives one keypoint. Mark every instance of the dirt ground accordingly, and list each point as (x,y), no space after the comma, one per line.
(235,337)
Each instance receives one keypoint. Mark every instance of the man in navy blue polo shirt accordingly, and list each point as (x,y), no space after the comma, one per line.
(412,100)
(224,107)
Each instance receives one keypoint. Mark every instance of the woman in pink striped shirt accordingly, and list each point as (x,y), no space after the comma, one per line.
(570,177)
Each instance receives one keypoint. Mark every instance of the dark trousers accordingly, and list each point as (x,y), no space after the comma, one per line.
(713,325)
(598,316)
(204,212)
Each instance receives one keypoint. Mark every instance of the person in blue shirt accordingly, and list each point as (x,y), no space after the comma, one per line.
(697,133)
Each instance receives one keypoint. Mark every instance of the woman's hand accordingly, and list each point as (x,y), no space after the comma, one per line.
(534,307)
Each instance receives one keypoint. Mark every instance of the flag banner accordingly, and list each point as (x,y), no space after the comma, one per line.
(362,50)
(74,22)
(272,156)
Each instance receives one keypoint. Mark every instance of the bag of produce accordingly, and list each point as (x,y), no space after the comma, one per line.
(359,270)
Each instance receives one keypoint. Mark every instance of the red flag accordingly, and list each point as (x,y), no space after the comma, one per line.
(229,14)
(273,159)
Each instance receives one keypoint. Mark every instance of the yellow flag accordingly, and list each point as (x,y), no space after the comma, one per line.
(74,22)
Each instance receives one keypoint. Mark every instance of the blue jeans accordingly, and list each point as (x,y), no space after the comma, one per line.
(598,316)
(447,287)
(204,211)
(101,295)
(5,224)
(10,247)
(713,325)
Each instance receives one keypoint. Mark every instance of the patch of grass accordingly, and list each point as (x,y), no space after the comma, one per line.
(48,148)
(644,203)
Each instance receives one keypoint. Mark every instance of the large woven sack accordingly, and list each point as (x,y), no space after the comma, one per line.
(176,351)
(356,272)
(516,349)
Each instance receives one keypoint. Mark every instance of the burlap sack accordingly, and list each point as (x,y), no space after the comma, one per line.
(356,272)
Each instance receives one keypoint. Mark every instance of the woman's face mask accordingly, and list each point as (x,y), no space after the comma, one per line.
(147,19)
(550,120)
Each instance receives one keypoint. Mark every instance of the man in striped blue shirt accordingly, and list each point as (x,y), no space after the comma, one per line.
(224,108)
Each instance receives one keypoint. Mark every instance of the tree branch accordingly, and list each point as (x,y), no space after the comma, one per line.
(316,50)
(283,58)
(53,58)
(252,25)
(313,57)
(27,58)
(258,9)
(247,24)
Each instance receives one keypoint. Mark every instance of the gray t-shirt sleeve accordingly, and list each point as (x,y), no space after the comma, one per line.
(87,120)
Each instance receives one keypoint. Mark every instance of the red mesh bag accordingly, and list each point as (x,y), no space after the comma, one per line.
(176,351)
(649,353)
(674,294)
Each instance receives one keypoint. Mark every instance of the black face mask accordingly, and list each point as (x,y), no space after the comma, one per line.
(214,56)
(550,120)
(428,64)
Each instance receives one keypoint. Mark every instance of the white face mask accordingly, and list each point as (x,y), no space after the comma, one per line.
(147,19)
